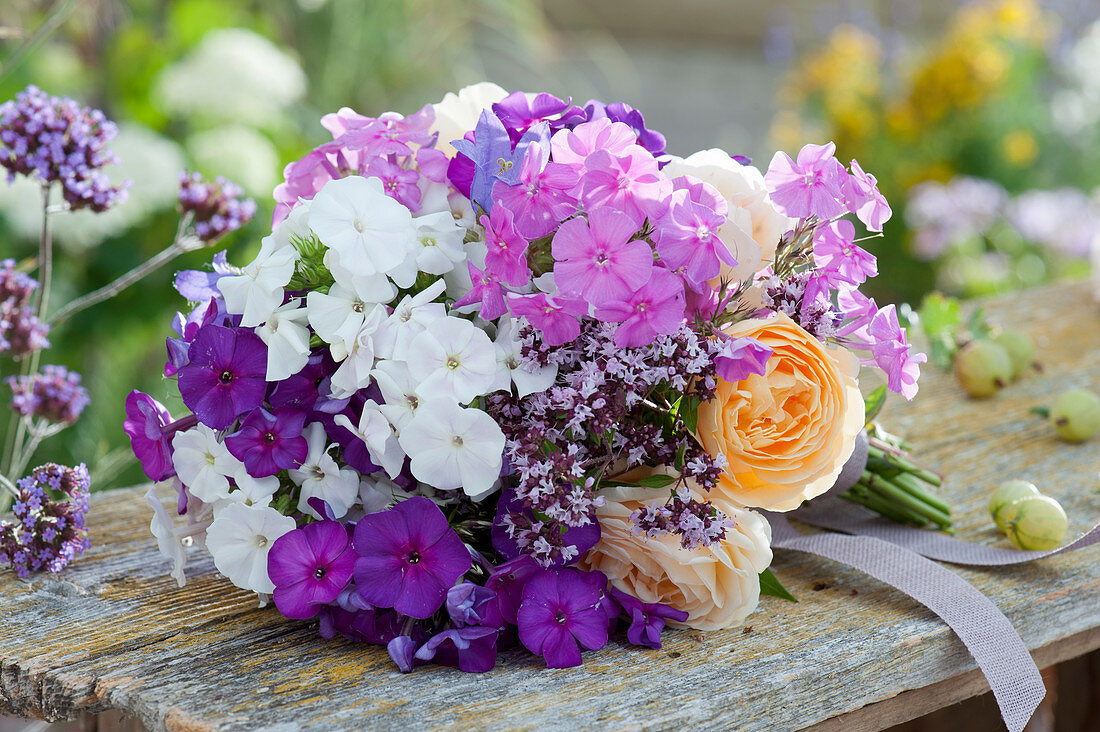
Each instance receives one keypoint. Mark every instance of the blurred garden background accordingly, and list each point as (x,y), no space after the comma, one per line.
(980,119)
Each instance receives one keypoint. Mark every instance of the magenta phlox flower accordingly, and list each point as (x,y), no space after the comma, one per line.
(839,258)
(630,182)
(646,620)
(621,113)
(506,258)
(572,147)
(520,112)
(554,317)
(487,290)
(811,186)
(471,649)
(599,260)
(540,197)
(397,183)
(226,375)
(741,357)
(145,423)
(310,566)
(268,442)
(408,557)
(561,612)
(655,309)
(863,198)
(687,236)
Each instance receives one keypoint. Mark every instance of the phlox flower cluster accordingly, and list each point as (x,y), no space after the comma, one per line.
(465,324)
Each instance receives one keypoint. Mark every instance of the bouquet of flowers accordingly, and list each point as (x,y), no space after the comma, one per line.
(506,372)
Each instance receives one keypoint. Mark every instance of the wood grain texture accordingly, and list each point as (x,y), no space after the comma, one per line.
(115,632)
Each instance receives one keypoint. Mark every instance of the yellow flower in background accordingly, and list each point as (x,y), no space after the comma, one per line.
(1020,148)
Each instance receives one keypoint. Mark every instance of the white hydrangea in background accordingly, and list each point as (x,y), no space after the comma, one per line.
(239,153)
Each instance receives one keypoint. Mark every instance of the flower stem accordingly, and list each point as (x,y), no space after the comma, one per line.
(896,495)
(183,243)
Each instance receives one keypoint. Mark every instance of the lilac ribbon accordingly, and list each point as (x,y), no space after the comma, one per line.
(901,557)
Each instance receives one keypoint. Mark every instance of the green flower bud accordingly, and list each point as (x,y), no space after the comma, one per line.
(1033,522)
(1076,415)
(1019,348)
(1008,492)
(982,368)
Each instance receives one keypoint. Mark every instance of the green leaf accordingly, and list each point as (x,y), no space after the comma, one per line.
(690,414)
(656,481)
(769,585)
(939,314)
(873,404)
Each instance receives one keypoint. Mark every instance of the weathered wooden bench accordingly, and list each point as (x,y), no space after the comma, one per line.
(114,631)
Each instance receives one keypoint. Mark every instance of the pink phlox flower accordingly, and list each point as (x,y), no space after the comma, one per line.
(487,290)
(572,147)
(556,318)
(506,258)
(397,183)
(839,258)
(653,310)
(630,182)
(862,196)
(540,198)
(598,259)
(740,357)
(520,112)
(858,311)
(338,123)
(812,186)
(687,236)
(432,164)
(392,134)
(892,353)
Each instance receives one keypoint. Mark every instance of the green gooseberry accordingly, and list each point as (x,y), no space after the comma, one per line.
(1034,523)
(1008,492)
(1019,348)
(983,367)
(1075,415)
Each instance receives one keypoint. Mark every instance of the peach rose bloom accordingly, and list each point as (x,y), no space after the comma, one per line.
(786,434)
(717,586)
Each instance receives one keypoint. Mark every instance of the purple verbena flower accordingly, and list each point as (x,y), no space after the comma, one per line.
(408,557)
(216,208)
(55,395)
(48,532)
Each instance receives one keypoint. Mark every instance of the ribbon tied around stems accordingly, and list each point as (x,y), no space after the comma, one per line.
(901,556)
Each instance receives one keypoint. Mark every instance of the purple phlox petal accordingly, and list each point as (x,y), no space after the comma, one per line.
(741,357)
(268,442)
(810,186)
(646,620)
(310,567)
(470,649)
(555,317)
(466,603)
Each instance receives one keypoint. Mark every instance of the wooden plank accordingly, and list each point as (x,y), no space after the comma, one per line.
(115,632)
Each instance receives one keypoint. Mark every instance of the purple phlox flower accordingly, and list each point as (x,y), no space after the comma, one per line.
(892,353)
(226,375)
(578,538)
(655,309)
(740,357)
(519,112)
(408,557)
(687,236)
(310,566)
(863,198)
(303,178)
(646,620)
(54,395)
(506,258)
(599,260)
(839,258)
(560,612)
(554,317)
(200,286)
(268,442)
(651,140)
(397,183)
(48,533)
(466,603)
(631,183)
(216,208)
(812,186)
(147,422)
(572,147)
(508,581)
(493,156)
(487,290)
(742,159)
(213,312)
(390,134)
(471,649)
(56,140)
(540,197)
(304,389)
(363,625)
(402,650)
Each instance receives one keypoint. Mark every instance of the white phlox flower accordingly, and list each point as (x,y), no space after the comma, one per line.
(380,437)
(322,478)
(370,231)
(287,339)
(510,366)
(240,539)
(204,463)
(453,447)
(439,243)
(356,357)
(338,315)
(398,391)
(452,359)
(409,318)
(258,291)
